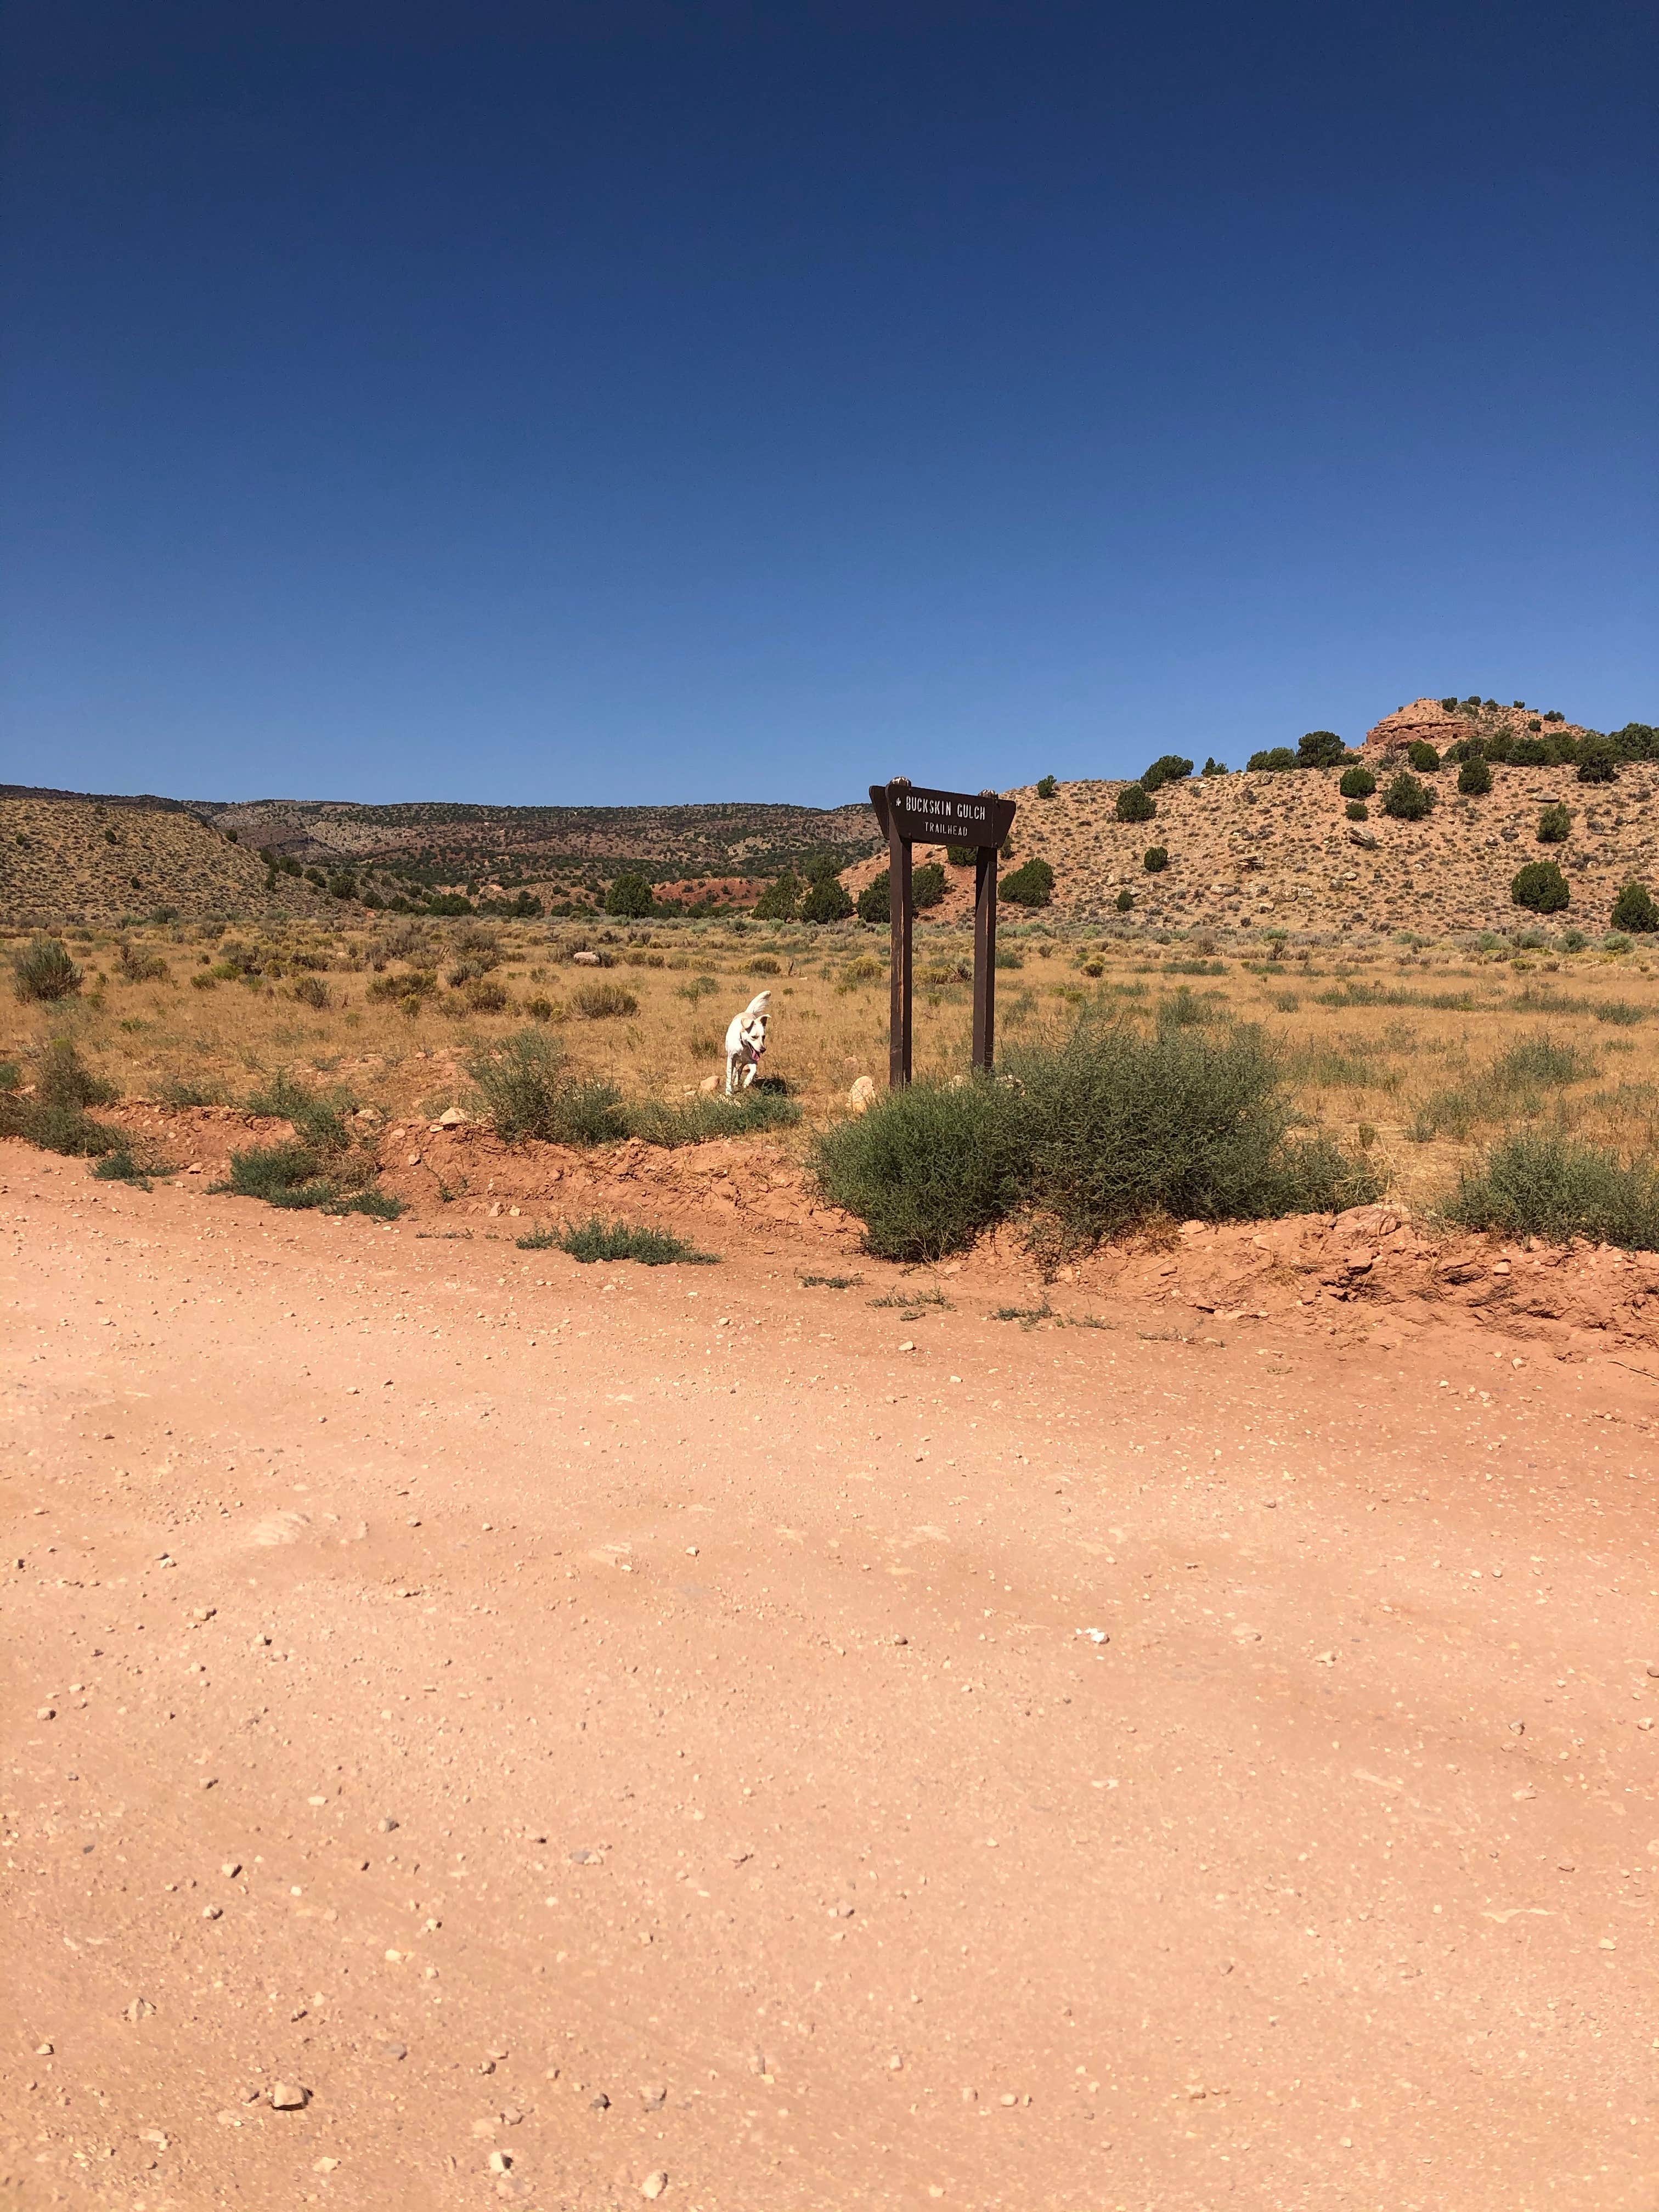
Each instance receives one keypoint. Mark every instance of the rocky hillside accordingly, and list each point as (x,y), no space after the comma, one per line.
(68,859)
(555,849)
(1276,850)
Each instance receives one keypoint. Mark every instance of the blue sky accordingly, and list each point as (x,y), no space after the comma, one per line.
(626,402)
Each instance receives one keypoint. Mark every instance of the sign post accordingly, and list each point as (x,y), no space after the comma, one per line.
(911,815)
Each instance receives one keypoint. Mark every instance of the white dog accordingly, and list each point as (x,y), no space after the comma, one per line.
(745,1040)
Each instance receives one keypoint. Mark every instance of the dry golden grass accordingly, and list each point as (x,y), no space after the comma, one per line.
(1407,1053)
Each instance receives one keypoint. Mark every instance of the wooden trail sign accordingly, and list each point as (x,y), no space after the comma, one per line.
(911,814)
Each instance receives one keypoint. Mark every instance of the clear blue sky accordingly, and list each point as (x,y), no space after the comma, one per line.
(628,402)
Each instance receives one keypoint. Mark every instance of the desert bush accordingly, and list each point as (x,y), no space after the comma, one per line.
(1125,900)
(299,1175)
(595,1240)
(604,1002)
(1275,759)
(1598,760)
(1474,779)
(1540,1060)
(1541,887)
(827,898)
(928,1167)
(1321,749)
(1423,756)
(1356,783)
(120,1166)
(631,895)
(1554,825)
(1155,859)
(927,886)
(1133,804)
(42,970)
(1634,909)
(1405,799)
(137,965)
(874,900)
(543,1009)
(1095,1135)
(1544,1186)
(779,901)
(11,1075)
(1356,810)
(483,995)
(529,1093)
(1032,884)
(1168,768)
(311,991)
(318,1122)
(1046,786)
(961,856)
(54,1116)
(764,964)
(1449,706)
(410,990)
(1125,1127)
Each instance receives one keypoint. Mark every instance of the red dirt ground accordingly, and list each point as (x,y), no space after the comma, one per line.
(466,1688)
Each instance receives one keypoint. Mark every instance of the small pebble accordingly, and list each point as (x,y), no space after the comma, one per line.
(284,2099)
(653,2184)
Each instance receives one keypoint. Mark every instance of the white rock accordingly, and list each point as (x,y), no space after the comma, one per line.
(653,2184)
(862,1095)
(285,2100)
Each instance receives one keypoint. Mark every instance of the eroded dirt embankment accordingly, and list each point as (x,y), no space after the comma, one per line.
(1377,1262)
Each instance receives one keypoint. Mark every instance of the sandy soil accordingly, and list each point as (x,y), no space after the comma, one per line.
(571,1727)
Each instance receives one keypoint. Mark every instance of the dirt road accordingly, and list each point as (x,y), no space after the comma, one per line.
(572,1726)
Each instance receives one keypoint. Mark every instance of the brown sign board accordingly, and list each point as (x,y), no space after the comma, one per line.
(919,816)
(911,815)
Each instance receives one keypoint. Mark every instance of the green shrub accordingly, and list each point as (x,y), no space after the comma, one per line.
(43,970)
(1095,1134)
(1406,800)
(1133,804)
(605,1002)
(1321,749)
(529,1094)
(875,900)
(1474,779)
(318,1121)
(1541,887)
(120,1166)
(779,901)
(1126,899)
(1356,783)
(1214,767)
(291,1175)
(1168,768)
(630,895)
(55,1118)
(828,899)
(1033,883)
(1543,1186)
(1555,824)
(1634,909)
(961,856)
(1423,756)
(927,886)
(1449,706)
(1356,810)
(1598,760)
(311,991)
(1155,859)
(588,1241)
(1047,788)
(1275,759)
(928,1167)
(1122,1127)
(11,1075)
